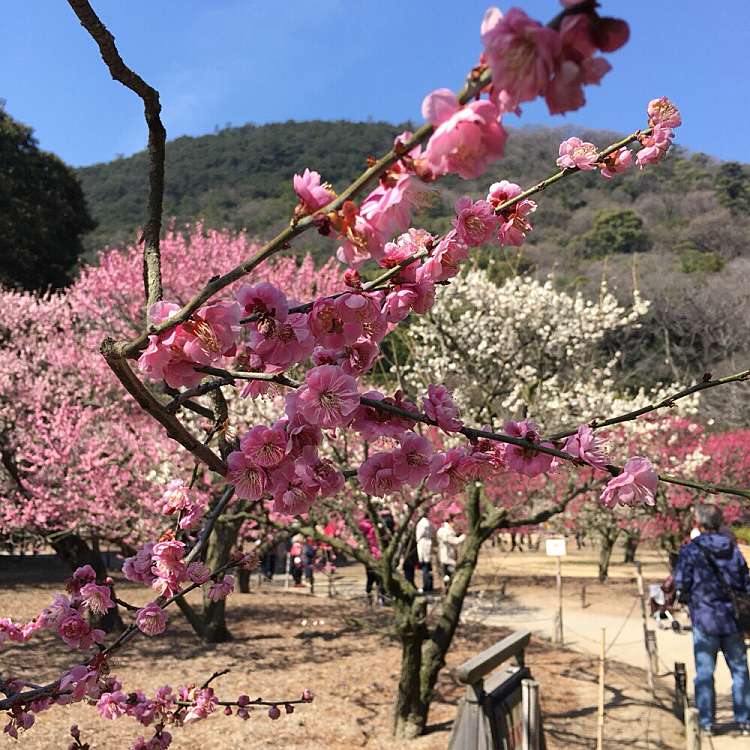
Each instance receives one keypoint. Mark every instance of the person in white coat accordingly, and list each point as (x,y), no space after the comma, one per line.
(425,533)
(448,543)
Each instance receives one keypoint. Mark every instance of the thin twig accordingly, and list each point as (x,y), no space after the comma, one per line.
(665,403)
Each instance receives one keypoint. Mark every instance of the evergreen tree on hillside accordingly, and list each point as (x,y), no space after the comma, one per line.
(42,212)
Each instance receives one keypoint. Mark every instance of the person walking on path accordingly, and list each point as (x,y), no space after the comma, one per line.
(707,568)
(425,531)
(448,543)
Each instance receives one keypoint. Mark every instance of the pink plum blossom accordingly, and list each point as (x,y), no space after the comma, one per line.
(616,163)
(329,397)
(176,497)
(280,345)
(587,447)
(445,260)
(389,207)
(635,485)
(334,325)
(300,433)
(372,423)
(526,460)
(448,471)
(411,462)
(82,575)
(663,114)
(577,154)
(198,572)
(97,599)
(465,142)
(293,487)
(204,703)
(264,300)
(404,298)
(138,567)
(221,589)
(513,224)
(475,223)
(112,705)
(521,53)
(438,405)
(377,475)
(655,146)
(319,473)
(207,336)
(358,358)
(249,479)
(75,631)
(312,195)
(265,446)
(151,620)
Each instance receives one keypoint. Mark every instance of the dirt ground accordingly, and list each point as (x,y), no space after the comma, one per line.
(342,650)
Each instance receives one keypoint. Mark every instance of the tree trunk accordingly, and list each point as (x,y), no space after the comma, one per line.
(412,705)
(410,711)
(243,581)
(75,552)
(607,545)
(631,546)
(218,549)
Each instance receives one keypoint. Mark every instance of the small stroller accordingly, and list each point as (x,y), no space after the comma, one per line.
(662,603)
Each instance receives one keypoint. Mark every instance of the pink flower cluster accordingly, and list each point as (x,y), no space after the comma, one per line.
(529,60)
(177,498)
(66,616)
(663,117)
(588,447)
(160,566)
(635,485)
(204,339)
(466,139)
(283,460)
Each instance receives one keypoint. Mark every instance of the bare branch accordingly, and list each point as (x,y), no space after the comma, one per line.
(157,137)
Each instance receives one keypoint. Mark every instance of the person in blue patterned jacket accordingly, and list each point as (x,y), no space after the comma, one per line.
(707,568)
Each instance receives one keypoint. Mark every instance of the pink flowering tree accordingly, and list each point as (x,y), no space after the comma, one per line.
(83,467)
(239,335)
(675,441)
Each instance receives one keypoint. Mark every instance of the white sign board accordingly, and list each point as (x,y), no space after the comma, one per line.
(555,547)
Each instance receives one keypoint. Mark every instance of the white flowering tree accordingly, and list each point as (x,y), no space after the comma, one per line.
(520,347)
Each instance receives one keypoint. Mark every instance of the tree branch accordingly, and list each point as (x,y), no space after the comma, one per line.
(157,137)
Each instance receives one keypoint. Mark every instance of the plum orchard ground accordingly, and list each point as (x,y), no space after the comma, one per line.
(348,660)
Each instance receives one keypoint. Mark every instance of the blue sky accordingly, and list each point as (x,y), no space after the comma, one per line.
(237,61)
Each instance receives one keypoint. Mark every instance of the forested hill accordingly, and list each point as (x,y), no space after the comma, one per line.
(678,230)
(241,178)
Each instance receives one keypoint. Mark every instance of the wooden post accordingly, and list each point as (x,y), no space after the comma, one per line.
(644,617)
(559,615)
(692,730)
(531,723)
(287,570)
(583,596)
(680,691)
(653,651)
(600,707)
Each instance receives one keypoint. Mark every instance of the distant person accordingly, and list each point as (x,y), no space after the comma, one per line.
(708,567)
(295,563)
(309,552)
(410,558)
(448,543)
(372,579)
(425,533)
